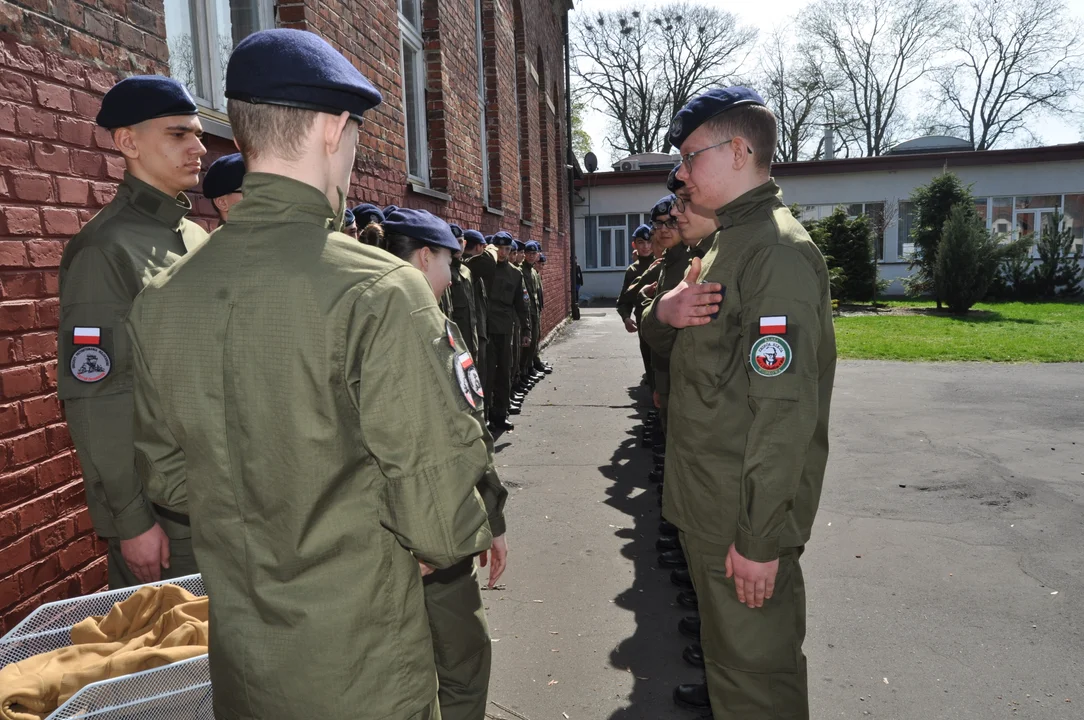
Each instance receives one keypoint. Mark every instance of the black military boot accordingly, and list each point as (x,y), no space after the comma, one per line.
(668,528)
(687,599)
(667,543)
(673,559)
(514,408)
(681,578)
(693,696)
(689,626)
(502,425)
(656,475)
(694,655)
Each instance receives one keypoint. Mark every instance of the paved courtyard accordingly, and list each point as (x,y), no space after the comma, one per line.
(945,574)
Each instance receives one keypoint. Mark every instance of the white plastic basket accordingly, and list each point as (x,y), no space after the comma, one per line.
(180,691)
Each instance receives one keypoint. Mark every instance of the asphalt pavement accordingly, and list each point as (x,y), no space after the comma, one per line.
(945,574)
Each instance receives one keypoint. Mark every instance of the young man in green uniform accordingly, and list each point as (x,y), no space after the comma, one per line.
(474,247)
(533,283)
(301,393)
(507,307)
(222,183)
(139,234)
(752,360)
(626,302)
(463,301)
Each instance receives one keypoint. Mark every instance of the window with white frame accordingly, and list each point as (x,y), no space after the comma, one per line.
(607,240)
(413,73)
(873,211)
(201,35)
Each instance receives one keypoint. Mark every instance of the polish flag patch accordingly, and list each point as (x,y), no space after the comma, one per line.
(774,325)
(88,336)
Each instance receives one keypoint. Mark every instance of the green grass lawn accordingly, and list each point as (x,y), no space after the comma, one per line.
(1004,332)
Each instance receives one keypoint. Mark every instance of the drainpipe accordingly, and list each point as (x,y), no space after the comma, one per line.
(571,174)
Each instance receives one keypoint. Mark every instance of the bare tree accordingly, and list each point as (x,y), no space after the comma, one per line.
(794,85)
(1011,60)
(881,48)
(639,67)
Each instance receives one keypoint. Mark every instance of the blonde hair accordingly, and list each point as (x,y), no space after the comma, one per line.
(269,129)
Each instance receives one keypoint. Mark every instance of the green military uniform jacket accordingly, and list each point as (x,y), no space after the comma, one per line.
(629,304)
(139,234)
(632,273)
(533,283)
(750,391)
(508,302)
(671,272)
(464,310)
(301,395)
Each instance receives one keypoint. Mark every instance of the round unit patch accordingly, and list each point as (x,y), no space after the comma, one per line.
(464,384)
(770,356)
(675,127)
(90,364)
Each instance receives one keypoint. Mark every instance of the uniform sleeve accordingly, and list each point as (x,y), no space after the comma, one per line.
(492,491)
(541,296)
(624,307)
(779,285)
(95,383)
(417,421)
(523,309)
(159,460)
(659,336)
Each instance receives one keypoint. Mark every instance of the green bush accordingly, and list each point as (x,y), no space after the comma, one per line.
(933,203)
(967,260)
(1014,278)
(1058,272)
(849,244)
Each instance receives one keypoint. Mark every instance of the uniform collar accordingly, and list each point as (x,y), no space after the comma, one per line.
(701,248)
(267,197)
(154,203)
(675,254)
(644,260)
(743,209)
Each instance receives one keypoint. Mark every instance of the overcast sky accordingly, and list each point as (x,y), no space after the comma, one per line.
(783,14)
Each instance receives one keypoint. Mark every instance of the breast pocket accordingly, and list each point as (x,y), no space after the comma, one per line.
(504,290)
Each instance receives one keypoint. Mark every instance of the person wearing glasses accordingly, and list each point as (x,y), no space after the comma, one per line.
(752,358)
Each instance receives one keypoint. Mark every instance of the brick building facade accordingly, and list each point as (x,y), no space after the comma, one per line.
(473,128)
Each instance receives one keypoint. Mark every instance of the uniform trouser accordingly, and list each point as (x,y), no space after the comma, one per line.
(480,361)
(645,353)
(753,658)
(528,354)
(517,347)
(500,373)
(662,387)
(461,644)
(181,562)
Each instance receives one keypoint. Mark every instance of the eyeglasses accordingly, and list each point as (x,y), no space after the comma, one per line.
(670,224)
(687,158)
(679,204)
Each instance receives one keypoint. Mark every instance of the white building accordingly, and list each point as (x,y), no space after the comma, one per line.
(1013,189)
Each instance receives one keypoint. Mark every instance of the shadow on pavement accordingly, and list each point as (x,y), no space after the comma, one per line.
(653,653)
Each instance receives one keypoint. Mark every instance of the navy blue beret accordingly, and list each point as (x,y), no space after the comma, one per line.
(422,226)
(367,213)
(542,258)
(456,230)
(473,237)
(503,239)
(348,218)
(662,207)
(672,182)
(224,176)
(297,69)
(144,97)
(704,107)
(642,233)
(534,246)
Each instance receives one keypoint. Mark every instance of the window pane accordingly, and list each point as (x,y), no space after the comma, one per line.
(876,214)
(980,210)
(904,246)
(611,221)
(854,210)
(1074,214)
(413,112)
(619,248)
(1025,202)
(605,248)
(411,10)
(186,52)
(1001,216)
(590,242)
(236,20)
(1025,224)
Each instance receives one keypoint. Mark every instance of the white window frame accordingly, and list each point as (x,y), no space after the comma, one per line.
(480,40)
(204,27)
(597,240)
(410,35)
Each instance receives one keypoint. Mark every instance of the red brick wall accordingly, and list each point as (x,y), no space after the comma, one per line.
(57,57)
